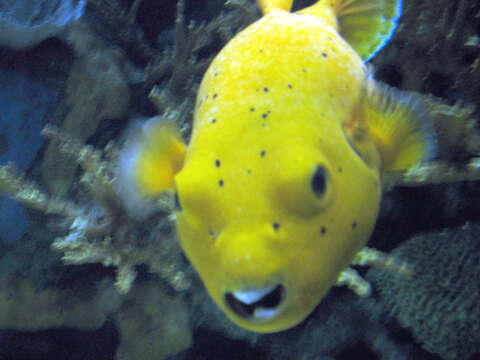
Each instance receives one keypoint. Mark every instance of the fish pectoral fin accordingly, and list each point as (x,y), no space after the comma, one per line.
(396,123)
(268,6)
(366,25)
(161,156)
(152,157)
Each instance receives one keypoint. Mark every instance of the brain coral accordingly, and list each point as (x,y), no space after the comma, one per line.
(440,304)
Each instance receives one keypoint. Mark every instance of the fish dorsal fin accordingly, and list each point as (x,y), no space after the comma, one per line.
(366,25)
(268,6)
(395,123)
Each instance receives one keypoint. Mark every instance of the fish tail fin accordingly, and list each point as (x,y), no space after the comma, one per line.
(397,123)
(154,153)
(268,6)
(366,25)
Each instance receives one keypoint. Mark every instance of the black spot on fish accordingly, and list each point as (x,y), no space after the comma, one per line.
(304,70)
(249,171)
(215,74)
(252,109)
(220,183)
(217,163)
(290,86)
(276,226)
(323,230)
(265,89)
(340,169)
(354,225)
(324,55)
(264,115)
(212,233)
(263,153)
(214,96)
(213,121)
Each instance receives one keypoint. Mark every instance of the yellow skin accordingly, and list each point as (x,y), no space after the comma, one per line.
(272,108)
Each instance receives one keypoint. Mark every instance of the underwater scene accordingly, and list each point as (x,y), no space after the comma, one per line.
(239,179)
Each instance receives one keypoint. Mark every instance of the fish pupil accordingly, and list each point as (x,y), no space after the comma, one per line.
(319,181)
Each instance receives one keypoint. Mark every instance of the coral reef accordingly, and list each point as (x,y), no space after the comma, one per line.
(435,50)
(440,304)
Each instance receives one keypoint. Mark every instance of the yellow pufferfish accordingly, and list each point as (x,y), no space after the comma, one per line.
(280,184)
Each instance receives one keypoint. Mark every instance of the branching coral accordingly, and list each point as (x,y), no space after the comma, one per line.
(99,231)
(16,187)
(111,18)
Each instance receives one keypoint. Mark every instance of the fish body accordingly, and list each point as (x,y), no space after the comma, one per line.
(280,184)
(270,123)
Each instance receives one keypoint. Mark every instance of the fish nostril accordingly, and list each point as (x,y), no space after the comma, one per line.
(260,304)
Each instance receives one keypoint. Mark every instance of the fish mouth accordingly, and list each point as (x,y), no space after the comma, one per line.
(261,304)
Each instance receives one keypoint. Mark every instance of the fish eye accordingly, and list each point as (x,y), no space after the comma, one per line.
(318,182)
(178,206)
(308,190)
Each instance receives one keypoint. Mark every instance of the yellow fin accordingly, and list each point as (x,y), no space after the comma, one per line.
(366,25)
(267,6)
(396,123)
(153,153)
(160,157)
